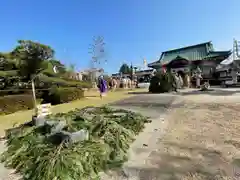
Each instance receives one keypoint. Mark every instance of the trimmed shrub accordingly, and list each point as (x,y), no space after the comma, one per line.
(14,103)
(11,73)
(61,95)
(11,92)
(161,82)
(49,81)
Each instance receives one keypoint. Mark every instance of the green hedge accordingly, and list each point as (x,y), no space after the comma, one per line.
(49,81)
(42,82)
(13,103)
(10,73)
(61,95)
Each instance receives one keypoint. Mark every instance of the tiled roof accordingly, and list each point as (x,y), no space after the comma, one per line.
(217,53)
(191,53)
(195,52)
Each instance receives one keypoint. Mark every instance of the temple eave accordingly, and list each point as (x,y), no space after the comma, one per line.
(192,54)
(161,64)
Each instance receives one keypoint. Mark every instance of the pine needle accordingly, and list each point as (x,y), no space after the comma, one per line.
(30,151)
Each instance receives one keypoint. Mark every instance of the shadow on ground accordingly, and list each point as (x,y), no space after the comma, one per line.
(140,92)
(91,96)
(213,92)
(196,163)
(154,101)
(144,92)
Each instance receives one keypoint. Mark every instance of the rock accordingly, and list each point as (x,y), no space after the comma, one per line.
(78,136)
(38,121)
(58,127)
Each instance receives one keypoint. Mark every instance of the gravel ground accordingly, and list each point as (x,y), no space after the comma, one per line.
(196,138)
(200,140)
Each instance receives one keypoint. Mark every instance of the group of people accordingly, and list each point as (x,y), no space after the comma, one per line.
(179,82)
(112,84)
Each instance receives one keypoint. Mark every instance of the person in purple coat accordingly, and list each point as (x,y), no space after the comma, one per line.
(102,86)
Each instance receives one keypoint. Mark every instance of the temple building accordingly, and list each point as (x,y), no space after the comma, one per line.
(186,59)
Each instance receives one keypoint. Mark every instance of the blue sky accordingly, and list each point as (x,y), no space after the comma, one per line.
(133,29)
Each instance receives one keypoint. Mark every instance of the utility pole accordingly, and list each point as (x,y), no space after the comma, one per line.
(131,67)
(34,97)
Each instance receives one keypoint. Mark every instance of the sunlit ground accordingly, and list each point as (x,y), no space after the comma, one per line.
(202,141)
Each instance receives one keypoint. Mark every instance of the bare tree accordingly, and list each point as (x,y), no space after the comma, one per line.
(97,52)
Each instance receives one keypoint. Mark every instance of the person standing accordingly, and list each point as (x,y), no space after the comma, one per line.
(176,76)
(175,82)
(187,79)
(102,86)
(114,83)
(110,84)
(198,77)
(180,79)
(234,75)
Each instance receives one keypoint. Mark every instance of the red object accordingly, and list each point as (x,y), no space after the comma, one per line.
(164,68)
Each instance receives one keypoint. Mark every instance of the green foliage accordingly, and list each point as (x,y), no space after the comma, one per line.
(16,100)
(50,81)
(125,69)
(31,152)
(7,62)
(49,65)
(62,95)
(31,57)
(161,82)
(13,92)
(48,69)
(13,103)
(6,74)
(60,67)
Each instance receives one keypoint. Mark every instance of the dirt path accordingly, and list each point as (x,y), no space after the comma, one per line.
(202,141)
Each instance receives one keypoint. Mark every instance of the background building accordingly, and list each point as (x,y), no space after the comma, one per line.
(186,59)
